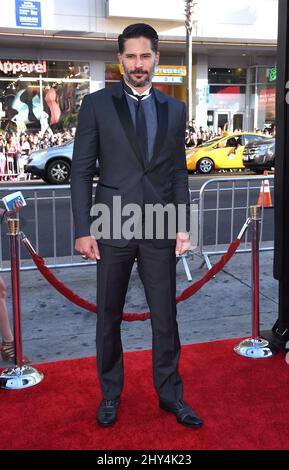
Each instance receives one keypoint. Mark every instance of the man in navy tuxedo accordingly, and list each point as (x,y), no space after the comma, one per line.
(138,135)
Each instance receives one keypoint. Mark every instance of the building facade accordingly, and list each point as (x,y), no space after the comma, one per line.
(53,53)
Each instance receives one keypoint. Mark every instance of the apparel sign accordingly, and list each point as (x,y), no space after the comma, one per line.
(26,67)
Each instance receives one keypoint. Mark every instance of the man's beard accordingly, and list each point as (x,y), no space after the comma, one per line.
(141,83)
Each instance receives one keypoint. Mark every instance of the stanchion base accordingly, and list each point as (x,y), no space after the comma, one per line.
(255,348)
(17,378)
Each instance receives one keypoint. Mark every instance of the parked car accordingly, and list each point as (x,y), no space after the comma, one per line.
(53,165)
(221,152)
(260,156)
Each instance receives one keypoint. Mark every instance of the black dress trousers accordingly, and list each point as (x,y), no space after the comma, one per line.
(157,269)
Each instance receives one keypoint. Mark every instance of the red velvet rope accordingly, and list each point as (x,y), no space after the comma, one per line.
(186,294)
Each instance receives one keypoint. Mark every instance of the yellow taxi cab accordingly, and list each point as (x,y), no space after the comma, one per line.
(221,152)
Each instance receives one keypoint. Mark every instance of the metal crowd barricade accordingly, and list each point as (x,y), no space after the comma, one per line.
(47,221)
(223,203)
(194,201)
(11,169)
(44,232)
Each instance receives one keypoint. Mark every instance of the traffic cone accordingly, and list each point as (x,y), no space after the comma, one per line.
(264,198)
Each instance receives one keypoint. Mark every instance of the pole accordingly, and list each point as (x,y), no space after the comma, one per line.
(280,332)
(189,10)
(20,376)
(255,213)
(255,347)
(13,231)
(189,77)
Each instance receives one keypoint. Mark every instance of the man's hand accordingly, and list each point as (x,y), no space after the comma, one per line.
(87,247)
(183,243)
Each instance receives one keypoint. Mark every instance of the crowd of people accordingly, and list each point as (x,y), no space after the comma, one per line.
(15,149)
(196,136)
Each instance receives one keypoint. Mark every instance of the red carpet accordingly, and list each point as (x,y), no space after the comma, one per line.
(244,402)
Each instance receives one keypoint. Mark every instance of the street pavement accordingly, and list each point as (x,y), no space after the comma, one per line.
(54,329)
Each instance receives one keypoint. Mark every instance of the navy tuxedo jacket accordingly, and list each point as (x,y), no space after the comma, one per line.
(105,132)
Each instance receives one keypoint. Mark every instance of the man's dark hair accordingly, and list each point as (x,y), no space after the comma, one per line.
(136,31)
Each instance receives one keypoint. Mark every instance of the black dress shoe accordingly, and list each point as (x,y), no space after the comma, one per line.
(107,412)
(184,414)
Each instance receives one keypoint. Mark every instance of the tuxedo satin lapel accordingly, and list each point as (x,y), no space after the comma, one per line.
(162,113)
(123,112)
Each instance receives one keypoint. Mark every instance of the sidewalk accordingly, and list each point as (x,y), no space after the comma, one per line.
(54,329)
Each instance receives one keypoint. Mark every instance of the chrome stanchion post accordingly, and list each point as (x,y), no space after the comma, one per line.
(255,214)
(255,347)
(13,231)
(20,376)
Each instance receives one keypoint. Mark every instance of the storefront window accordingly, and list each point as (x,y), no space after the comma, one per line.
(266,74)
(226,106)
(263,106)
(67,70)
(263,98)
(38,96)
(253,75)
(20,105)
(62,100)
(227,76)
(227,98)
(227,90)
